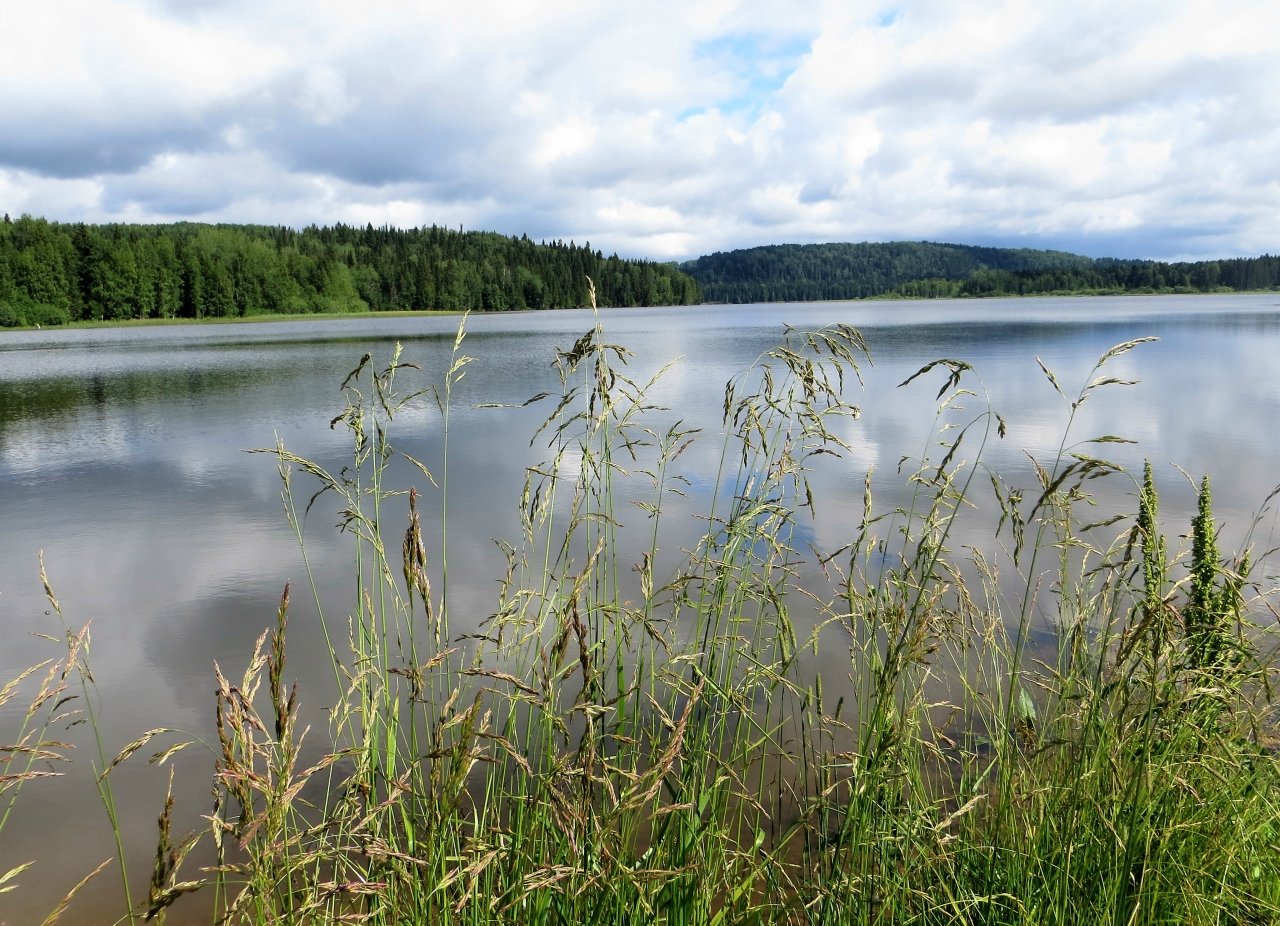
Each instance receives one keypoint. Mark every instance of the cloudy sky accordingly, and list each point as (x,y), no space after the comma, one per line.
(659,128)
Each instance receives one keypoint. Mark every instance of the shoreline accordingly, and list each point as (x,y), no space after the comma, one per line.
(232,320)
(412,313)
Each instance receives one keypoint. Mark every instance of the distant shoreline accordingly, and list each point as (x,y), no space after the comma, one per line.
(411,313)
(246,319)
(417,313)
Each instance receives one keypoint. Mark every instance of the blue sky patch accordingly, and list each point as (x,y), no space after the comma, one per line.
(759,62)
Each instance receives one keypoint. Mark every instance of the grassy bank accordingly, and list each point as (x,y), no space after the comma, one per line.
(624,744)
(247,319)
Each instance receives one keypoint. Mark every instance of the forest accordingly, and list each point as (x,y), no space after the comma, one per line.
(53,273)
(923,269)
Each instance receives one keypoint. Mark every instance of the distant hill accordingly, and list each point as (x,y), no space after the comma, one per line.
(53,273)
(914,269)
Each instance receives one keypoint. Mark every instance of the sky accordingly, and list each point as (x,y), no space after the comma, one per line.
(663,129)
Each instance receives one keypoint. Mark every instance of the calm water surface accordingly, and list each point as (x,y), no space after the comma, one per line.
(122,458)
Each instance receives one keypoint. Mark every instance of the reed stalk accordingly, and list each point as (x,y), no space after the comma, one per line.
(1069,725)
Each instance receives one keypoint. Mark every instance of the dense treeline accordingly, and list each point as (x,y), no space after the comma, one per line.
(796,272)
(924,269)
(1110,276)
(52,273)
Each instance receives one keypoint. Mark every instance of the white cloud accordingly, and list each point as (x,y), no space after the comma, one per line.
(665,129)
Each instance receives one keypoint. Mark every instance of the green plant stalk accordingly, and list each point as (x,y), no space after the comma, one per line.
(589,758)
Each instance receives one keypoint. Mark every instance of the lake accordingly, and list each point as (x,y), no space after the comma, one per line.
(122,457)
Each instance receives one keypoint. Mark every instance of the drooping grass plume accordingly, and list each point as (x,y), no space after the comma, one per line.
(1070,724)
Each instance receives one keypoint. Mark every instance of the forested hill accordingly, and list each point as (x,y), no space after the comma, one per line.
(795,272)
(52,273)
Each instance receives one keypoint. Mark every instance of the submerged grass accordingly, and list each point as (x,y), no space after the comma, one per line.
(619,743)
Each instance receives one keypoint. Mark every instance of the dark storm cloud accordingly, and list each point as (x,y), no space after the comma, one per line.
(69,147)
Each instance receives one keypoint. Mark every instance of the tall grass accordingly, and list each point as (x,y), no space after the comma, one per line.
(59,696)
(624,742)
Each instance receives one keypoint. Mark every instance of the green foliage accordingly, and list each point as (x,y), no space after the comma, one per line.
(612,745)
(22,312)
(927,270)
(1156,614)
(52,273)
(1214,598)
